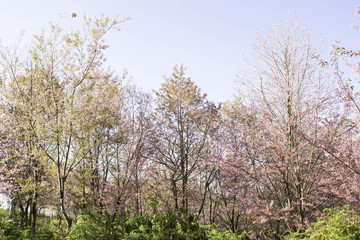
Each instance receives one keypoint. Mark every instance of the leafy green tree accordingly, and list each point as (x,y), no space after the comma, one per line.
(61,95)
(22,167)
(185,120)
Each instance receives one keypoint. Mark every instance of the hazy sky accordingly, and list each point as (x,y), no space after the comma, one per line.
(210,37)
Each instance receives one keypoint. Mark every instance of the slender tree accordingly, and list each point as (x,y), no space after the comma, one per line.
(185,119)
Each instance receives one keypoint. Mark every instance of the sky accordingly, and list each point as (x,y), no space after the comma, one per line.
(210,37)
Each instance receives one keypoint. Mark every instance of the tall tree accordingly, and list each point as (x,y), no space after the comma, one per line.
(22,162)
(289,96)
(234,157)
(53,90)
(185,119)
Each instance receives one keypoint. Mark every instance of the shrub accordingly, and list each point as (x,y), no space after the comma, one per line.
(9,228)
(161,226)
(93,225)
(214,234)
(164,226)
(342,224)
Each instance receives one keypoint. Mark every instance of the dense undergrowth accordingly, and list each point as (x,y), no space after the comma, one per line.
(342,223)
(93,225)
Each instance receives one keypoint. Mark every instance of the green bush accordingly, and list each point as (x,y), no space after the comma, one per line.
(214,234)
(161,226)
(93,226)
(9,227)
(342,224)
(46,229)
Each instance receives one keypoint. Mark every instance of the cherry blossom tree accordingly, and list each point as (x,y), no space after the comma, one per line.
(285,96)
(345,155)
(22,164)
(234,157)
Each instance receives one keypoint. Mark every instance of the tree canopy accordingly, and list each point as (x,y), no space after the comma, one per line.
(106,158)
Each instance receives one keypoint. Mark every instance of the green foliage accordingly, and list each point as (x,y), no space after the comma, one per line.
(161,226)
(214,234)
(169,225)
(91,226)
(57,228)
(47,229)
(338,224)
(9,229)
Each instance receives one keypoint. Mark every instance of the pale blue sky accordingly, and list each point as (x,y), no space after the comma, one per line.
(210,37)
